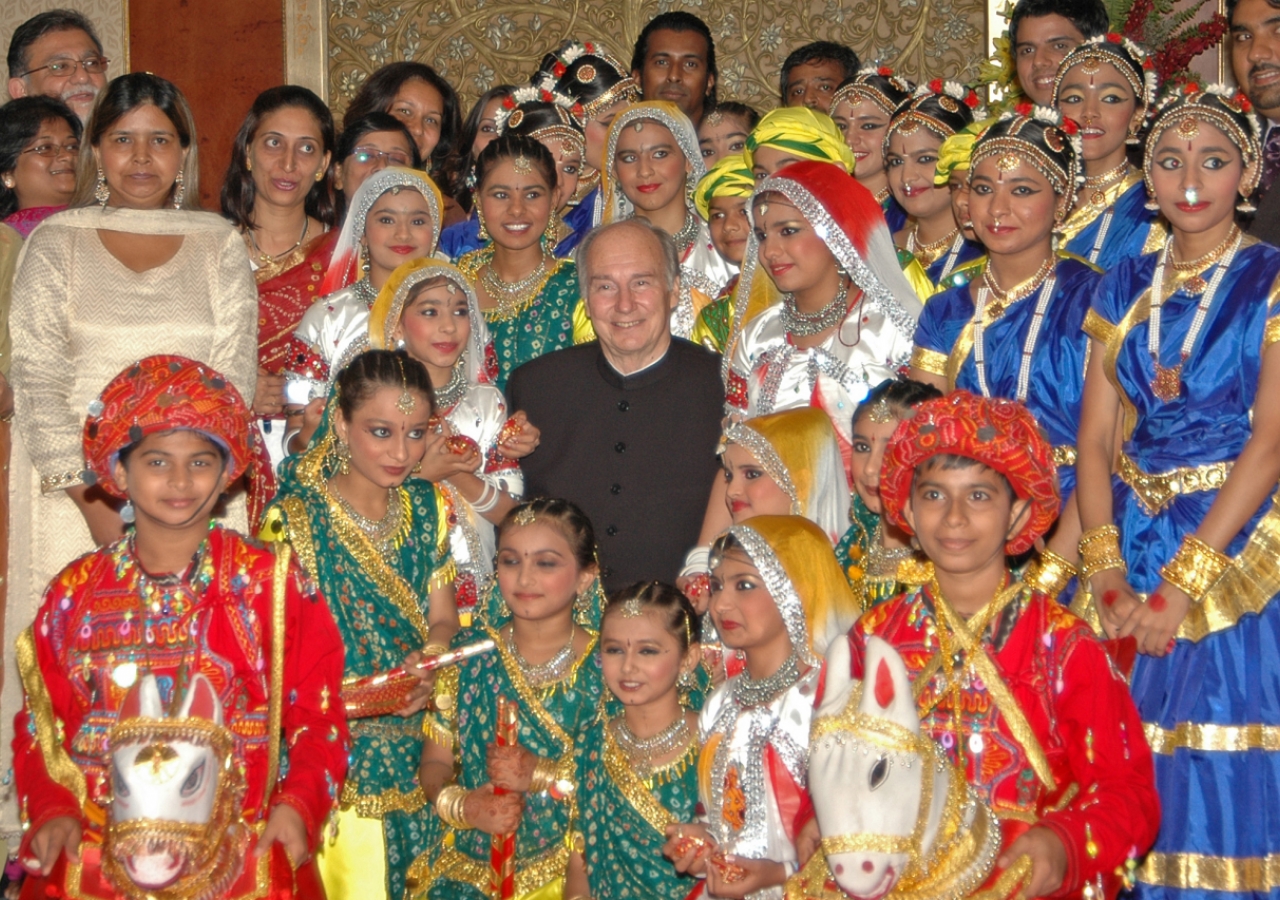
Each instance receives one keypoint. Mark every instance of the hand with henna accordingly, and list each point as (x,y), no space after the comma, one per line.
(511,767)
(493,813)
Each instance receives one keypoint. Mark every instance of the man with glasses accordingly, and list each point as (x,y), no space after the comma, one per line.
(58,54)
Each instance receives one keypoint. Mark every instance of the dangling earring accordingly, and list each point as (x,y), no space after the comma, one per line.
(1246,206)
(416,469)
(551,232)
(179,191)
(127,513)
(484,232)
(102,193)
(686,685)
(1133,140)
(248,163)
(343,453)
(1151,205)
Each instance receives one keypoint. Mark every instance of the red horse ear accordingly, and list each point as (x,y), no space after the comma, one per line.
(131,708)
(884,685)
(202,701)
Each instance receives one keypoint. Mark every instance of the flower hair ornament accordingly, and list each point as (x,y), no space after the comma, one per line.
(1041,137)
(1184,106)
(878,84)
(589,74)
(1128,58)
(539,112)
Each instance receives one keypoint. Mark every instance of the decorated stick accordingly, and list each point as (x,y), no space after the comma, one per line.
(502,852)
(386,692)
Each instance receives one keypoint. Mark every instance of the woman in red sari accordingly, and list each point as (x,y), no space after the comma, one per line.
(279,193)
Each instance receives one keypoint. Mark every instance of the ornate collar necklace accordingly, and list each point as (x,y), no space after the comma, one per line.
(549,672)
(749,692)
(448,396)
(802,324)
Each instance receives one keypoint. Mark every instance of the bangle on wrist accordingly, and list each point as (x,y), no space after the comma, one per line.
(1195,567)
(1100,551)
(434,649)
(451,806)
(546,779)
(487,500)
(1050,574)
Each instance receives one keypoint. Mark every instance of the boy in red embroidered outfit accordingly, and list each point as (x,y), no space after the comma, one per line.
(1016,689)
(180,614)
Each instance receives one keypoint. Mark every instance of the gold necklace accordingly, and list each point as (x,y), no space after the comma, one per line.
(1200,263)
(266,259)
(1100,184)
(1004,299)
(510,296)
(927,253)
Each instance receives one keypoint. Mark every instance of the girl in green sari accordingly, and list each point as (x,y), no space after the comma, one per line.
(372,539)
(875,555)
(542,615)
(637,771)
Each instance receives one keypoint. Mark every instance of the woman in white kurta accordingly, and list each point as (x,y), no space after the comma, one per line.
(419,309)
(82,312)
(847,313)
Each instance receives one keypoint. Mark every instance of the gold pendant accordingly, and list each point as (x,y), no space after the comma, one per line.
(1167,384)
(995,310)
(1099,198)
(1194,285)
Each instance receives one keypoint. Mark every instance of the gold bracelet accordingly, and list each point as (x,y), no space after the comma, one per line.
(1050,574)
(544,775)
(1100,550)
(1195,567)
(451,806)
(434,649)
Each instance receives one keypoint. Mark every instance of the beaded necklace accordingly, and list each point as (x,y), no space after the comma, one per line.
(802,324)
(1047,286)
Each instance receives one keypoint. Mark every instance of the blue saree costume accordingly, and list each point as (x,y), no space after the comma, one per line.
(1115,229)
(945,347)
(1211,707)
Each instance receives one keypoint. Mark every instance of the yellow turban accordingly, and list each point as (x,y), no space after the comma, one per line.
(730,177)
(956,151)
(802,132)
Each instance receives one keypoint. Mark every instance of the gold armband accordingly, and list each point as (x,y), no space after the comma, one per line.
(1100,550)
(1050,574)
(451,806)
(1195,567)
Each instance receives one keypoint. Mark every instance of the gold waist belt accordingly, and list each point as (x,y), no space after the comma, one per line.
(1155,492)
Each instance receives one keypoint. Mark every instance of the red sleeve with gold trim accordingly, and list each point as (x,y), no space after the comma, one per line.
(1115,816)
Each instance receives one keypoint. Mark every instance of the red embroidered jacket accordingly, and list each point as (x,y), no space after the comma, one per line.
(1105,808)
(93,625)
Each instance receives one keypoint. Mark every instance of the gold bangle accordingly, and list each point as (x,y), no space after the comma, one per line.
(1195,567)
(544,775)
(434,649)
(451,806)
(1050,574)
(1100,550)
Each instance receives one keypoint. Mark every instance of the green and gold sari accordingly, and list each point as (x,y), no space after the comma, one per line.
(624,818)
(379,599)
(550,721)
(874,572)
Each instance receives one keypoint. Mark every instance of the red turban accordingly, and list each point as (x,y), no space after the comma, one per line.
(165,393)
(1001,434)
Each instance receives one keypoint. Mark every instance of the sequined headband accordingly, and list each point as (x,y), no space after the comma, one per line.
(565,133)
(1122,57)
(912,119)
(1222,120)
(1062,180)
(857,92)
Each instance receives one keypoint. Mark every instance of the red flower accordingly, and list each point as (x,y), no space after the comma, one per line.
(1023,109)
(1114,38)
(546,97)
(1243,102)
(936,85)
(1070,126)
(885,71)
(1190,88)
(971,100)
(589,47)
(577,109)
(558,69)
(508,102)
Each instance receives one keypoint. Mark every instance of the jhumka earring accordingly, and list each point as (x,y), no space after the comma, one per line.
(1246,205)
(102,193)
(551,232)
(1151,205)
(343,454)
(484,232)
(179,191)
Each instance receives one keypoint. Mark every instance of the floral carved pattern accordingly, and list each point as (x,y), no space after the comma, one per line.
(478,43)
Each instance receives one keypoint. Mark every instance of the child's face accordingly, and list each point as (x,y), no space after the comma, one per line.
(721,135)
(399,228)
(385,442)
(537,572)
(870,440)
(963,516)
(742,608)
(435,325)
(642,660)
(173,478)
(912,160)
(730,227)
(751,491)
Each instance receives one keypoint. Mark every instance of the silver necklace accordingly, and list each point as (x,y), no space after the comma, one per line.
(641,752)
(448,396)
(364,290)
(748,692)
(509,295)
(383,533)
(542,674)
(688,232)
(802,324)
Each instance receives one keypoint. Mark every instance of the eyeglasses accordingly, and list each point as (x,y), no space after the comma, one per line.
(93,65)
(51,151)
(363,155)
